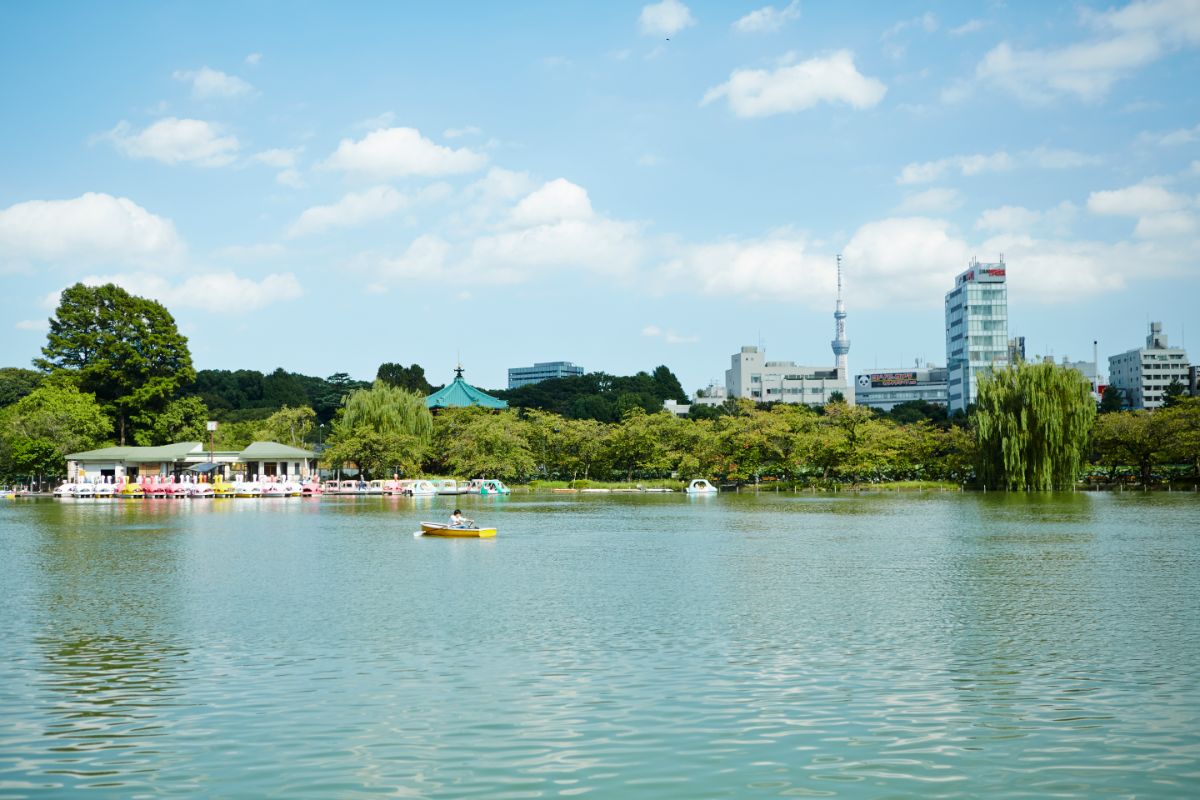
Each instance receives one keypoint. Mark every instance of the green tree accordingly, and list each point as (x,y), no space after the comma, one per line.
(478,443)
(373,452)
(50,422)
(411,378)
(183,420)
(1111,400)
(387,409)
(1174,392)
(123,349)
(292,426)
(16,382)
(1032,422)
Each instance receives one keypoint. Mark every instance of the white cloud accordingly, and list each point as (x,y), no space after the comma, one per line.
(1171,138)
(768,18)
(969,165)
(928,171)
(400,152)
(1057,158)
(781,265)
(467,130)
(92,228)
(353,210)
(1086,71)
(1135,201)
(675,338)
(649,160)
(39,325)
(176,141)
(1008,218)
(651,331)
(208,83)
(932,201)
(1175,22)
(665,18)
(279,157)
(383,120)
(970,26)
(555,201)
(253,59)
(830,79)
(290,178)
(1166,225)
(215,292)
(927,22)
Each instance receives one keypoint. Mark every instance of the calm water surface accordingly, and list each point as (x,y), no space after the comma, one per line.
(934,645)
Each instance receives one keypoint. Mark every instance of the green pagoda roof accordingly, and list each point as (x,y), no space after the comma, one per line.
(460,394)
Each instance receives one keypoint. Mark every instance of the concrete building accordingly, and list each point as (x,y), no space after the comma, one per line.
(976,329)
(751,376)
(1143,374)
(887,388)
(541,371)
(266,459)
(713,395)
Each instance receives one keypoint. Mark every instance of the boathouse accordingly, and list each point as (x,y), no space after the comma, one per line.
(260,458)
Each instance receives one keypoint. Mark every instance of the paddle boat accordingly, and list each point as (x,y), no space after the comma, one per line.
(64,490)
(448,486)
(223,488)
(131,490)
(421,488)
(201,491)
(310,488)
(105,490)
(451,532)
(487,486)
(700,486)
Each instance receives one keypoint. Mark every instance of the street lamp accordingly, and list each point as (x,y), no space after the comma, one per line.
(212,436)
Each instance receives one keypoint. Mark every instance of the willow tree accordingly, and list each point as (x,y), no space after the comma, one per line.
(384,426)
(1032,423)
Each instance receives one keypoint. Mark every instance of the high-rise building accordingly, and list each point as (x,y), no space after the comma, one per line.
(840,344)
(1143,374)
(976,329)
(541,371)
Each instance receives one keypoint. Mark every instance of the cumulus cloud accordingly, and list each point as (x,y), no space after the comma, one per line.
(214,292)
(782,265)
(796,87)
(555,201)
(401,152)
(1171,138)
(279,157)
(253,59)
(39,325)
(970,26)
(176,141)
(208,83)
(1160,213)
(456,133)
(353,210)
(768,18)
(665,18)
(92,228)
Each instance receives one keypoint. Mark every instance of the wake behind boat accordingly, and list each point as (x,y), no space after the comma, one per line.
(451,531)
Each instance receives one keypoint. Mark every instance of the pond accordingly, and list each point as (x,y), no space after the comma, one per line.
(925,644)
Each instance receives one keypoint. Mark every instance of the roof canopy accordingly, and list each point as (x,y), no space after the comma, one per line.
(460,394)
(258,451)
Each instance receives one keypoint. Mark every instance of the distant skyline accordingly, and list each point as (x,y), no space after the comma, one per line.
(323,187)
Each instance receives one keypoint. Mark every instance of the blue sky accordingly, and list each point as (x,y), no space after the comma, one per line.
(325,187)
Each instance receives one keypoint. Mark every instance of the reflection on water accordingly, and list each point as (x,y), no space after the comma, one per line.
(948,645)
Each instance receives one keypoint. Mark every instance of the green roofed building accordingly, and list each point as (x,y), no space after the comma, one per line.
(260,458)
(460,394)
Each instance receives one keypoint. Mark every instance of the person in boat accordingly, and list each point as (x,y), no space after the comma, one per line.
(457,520)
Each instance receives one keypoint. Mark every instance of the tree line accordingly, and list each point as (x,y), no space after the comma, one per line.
(116,370)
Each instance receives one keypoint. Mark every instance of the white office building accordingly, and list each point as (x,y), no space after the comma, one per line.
(541,371)
(1143,375)
(751,376)
(887,388)
(976,330)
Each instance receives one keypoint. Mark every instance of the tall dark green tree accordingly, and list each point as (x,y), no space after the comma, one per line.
(1111,400)
(124,349)
(1032,423)
(400,376)
(16,382)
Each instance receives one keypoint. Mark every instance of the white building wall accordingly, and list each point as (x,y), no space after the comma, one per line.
(752,377)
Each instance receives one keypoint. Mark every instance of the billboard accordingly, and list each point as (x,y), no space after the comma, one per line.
(893,379)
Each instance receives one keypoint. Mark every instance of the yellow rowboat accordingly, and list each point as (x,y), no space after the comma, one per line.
(438,529)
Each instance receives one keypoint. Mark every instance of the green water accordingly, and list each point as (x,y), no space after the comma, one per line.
(932,645)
